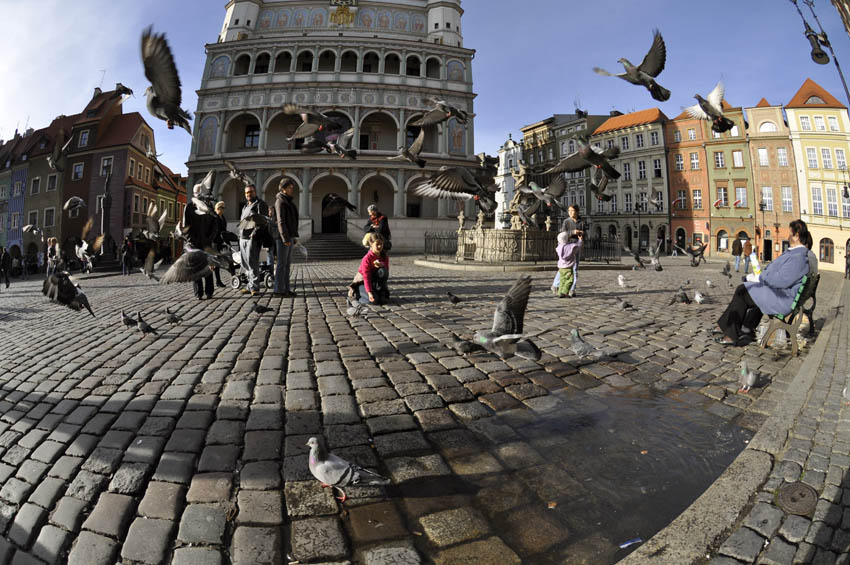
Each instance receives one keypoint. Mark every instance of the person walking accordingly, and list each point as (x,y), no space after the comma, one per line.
(737,249)
(126,256)
(285,234)
(379,224)
(221,227)
(201,231)
(573,224)
(5,264)
(747,251)
(53,255)
(249,238)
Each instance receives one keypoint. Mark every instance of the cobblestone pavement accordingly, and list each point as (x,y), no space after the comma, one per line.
(189,447)
(817,453)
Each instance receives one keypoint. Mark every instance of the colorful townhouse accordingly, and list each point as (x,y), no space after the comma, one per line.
(820,138)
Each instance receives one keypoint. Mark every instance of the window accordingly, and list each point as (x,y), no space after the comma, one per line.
(723,195)
(819,123)
(540,155)
(694,161)
(613,203)
(78,171)
(763,160)
(845,205)
(627,171)
(817,201)
(833,123)
(831,202)
(139,170)
(681,200)
(16,190)
(32,218)
(131,168)
(16,220)
(161,208)
(581,199)
(653,138)
(551,153)
(35,185)
(680,162)
(639,140)
(628,202)
(698,238)
(698,198)
(692,134)
(147,175)
(656,168)
(105,166)
(641,170)
(49,214)
(812,156)
(624,143)
(737,158)
(767,127)
(75,213)
(171,210)
(572,146)
(826,157)
(719,160)
(787,203)
(600,206)
(767,198)
(677,136)
(840,159)
(805,123)
(563,148)
(4,192)
(741,196)
(827,250)
(136,203)
(84,138)
(734,131)
(782,156)
(642,202)
(659,197)
(715,134)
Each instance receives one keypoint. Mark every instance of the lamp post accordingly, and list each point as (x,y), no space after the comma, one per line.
(818,39)
(762,206)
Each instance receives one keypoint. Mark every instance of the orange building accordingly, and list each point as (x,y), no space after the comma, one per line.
(690,208)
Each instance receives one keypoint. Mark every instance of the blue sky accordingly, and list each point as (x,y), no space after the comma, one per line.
(533,58)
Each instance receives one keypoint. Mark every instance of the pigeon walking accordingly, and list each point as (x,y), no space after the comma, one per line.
(699,297)
(711,109)
(644,74)
(335,472)
(623,305)
(164,95)
(681,296)
(581,348)
(505,338)
(171,317)
(128,321)
(748,378)
(621,280)
(453,298)
(143,326)
(709,284)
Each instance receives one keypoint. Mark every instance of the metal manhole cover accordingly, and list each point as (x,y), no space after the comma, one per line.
(797,498)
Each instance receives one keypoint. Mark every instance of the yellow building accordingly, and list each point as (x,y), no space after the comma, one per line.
(820,139)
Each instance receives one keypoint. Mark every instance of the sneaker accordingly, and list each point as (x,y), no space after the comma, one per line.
(221,285)
(245,291)
(255,292)
(572,294)
(290,294)
(554,290)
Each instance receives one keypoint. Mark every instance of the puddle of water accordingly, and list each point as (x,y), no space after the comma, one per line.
(622,467)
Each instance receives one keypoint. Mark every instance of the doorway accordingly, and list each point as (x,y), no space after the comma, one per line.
(768,250)
(333,223)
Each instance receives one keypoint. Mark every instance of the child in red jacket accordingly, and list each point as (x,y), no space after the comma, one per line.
(370,283)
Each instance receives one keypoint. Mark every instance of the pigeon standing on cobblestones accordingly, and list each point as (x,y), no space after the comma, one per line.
(622,304)
(680,296)
(453,298)
(143,326)
(127,320)
(709,284)
(621,280)
(748,378)
(335,472)
(699,297)
(355,307)
(580,347)
(171,317)
(505,338)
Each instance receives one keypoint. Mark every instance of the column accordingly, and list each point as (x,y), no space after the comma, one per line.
(360,60)
(353,192)
(381,62)
(338,61)
(219,148)
(264,130)
(442,208)
(400,196)
(403,66)
(356,141)
(293,65)
(304,197)
(402,130)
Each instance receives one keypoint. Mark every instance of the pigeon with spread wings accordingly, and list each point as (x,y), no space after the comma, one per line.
(60,287)
(458,183)
(645,73)
(237,173)
(58,157)
(587,156)
(549,195)
(506,338)
(164,95)
(441,112)
(412,153)
(710,109)
(311,122)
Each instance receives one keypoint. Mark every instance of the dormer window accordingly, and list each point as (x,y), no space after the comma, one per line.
(84,138)
(91,113)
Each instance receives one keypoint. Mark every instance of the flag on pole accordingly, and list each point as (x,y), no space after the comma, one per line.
(718,202)
(737,202)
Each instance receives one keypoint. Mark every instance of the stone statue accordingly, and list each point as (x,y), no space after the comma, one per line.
(479,225)
(520,176)
(548,223)
(516,222)
(460,219)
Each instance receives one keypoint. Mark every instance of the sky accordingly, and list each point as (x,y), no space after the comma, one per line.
(533,58)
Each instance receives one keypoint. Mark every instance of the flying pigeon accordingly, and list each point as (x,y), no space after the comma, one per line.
(149,268)
(505,338)
(459,183)
(441,112)
(164,95)
(143,326)
(586,156)
(598,185)
(680,296)
(121,91)
(171,317)
(654,257)
(59,287)
(301,249)
(711,109)
(128,321)
(549,195)
(153,224)
(581,348)
(58,157)
(193,265)
(454,299)
(526,211)
(748,378)
(29,228)
(74,203)
(645,73)
(639,264)
(727,270)
(236,173)
(412,153)
(335,472)
(259,309)
(333,203)
(311,122)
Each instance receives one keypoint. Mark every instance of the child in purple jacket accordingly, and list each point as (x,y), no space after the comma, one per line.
(567,250)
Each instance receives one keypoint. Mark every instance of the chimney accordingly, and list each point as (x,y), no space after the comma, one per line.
(614,113)
(28,132)
(97,92)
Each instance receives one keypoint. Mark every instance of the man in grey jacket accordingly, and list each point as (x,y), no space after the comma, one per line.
(255,214)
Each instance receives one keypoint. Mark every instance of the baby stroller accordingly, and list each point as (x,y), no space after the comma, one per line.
(239,278)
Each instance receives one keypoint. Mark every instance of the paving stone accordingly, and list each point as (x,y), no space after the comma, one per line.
(48,492)
(86,486)
(210,487)
(744,544)
(764,519)
(162,500)
(27,522)
(316,539)
(219,458)
(260,475)
(129,478)
(110,515)
(375,522)
(196,555)
(401,443)
(260,507)
(68,513)
(252,545)
(393,553)
(175,468)
(453,526)
(92,549)
(202,524)
(148,541)
(50,543)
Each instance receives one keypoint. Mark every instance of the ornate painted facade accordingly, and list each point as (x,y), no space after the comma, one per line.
(374,65)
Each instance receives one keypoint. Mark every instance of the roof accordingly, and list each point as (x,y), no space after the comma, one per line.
(809,89)
(51,133)
(121,130)
(763,103)
(556,120)
(641,117)
(98,105)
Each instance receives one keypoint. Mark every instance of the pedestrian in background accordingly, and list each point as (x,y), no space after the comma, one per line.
(5,264)
(737,249)
(379,224)
(126,256)
(285,234)
(250,239)
(221,225)
(747,251)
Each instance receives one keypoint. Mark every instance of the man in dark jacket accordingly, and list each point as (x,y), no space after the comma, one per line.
(253,213)
(5,264)
(737,249)
(220,245)
(200,230)
(378,223)
(285,234)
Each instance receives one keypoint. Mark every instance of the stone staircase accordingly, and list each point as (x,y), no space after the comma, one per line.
(330,247)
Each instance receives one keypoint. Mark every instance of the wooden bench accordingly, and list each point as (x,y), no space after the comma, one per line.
(791,322)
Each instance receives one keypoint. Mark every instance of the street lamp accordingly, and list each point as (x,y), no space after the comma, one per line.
(818,39)
(846,189)
(762,206)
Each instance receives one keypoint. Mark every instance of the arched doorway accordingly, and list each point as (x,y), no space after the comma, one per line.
(378,132)
(322,187)
(597,232)
(661,235)
(612,231)
(379,191)
(681,237)
(644,237)
(722,241)
(232,193)
(628,237)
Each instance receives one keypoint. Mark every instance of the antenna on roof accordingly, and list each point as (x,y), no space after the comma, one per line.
(27,124)
(102,76)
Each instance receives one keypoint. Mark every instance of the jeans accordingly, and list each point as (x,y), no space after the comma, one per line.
(281,272)
(746,264)
(249,251)
(5,274)
(125,267)
(737,262)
